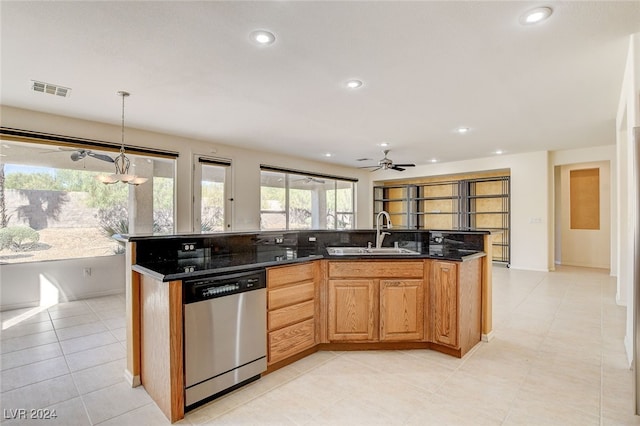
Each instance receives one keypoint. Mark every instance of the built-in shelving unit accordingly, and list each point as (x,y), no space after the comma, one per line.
(488,204)
(477,203)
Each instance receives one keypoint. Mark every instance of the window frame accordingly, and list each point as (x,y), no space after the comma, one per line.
(198,162)
(48,142)
(287,174)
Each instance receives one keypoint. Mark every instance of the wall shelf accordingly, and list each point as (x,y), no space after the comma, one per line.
(480,203)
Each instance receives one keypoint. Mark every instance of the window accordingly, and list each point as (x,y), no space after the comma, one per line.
(212,178)
(294,200)
(52,206)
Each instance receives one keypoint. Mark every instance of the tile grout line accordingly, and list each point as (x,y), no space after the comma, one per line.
(537,350)
(73,379)
(601,354)
(95,390)
(298,375)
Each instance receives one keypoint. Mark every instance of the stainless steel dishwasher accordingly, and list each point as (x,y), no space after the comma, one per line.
(225,333)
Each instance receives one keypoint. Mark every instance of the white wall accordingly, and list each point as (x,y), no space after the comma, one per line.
(529,200)
(628,117)
(32,283)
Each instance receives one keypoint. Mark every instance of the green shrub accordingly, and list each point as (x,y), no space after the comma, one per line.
(18,238)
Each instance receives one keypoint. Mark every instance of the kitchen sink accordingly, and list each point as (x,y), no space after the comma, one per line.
(365,251)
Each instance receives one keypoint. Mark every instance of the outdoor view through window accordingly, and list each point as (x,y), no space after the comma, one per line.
(296,201)
(53,207)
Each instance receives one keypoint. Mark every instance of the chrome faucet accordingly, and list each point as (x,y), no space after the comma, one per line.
(379,234)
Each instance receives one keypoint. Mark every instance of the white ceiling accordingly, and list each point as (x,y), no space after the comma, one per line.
(427,67)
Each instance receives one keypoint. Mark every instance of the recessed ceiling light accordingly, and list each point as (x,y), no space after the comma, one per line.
(536,15)
(499,152)
(462,130)
(434,160)
(328,154)
(263,37)
(354,84)
(384,144)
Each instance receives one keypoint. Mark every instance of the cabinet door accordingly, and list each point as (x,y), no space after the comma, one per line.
(444,302)
(401,310)
(291,340)
(352,307)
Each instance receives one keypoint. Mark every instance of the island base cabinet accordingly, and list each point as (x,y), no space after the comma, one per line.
(352,306)
(455,304)
(292,310)
(291,340)
(375,301)
(444,306)
(401,310)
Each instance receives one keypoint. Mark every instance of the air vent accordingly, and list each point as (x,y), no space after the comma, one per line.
(364,159)
(52,89)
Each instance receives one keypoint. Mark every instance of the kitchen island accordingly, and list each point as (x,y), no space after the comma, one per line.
(436,298)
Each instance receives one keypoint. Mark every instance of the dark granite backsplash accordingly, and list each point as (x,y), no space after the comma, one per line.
(246,248)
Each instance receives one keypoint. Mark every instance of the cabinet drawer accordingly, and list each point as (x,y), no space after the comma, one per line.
(277,277)
(291,340)
(290,295)
(376,269)
(290,314)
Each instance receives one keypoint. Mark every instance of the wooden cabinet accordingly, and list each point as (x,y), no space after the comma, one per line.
(375,301)
(352,306)
(291,310)
(401,309)
(455,304)
(444,306)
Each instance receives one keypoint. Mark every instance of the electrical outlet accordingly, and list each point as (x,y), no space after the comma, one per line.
(188,247)
(86,272)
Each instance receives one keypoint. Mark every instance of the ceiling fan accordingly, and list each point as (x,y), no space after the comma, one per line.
(310,179)
(386,164)
(79,154)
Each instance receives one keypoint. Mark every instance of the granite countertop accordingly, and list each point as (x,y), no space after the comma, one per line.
(181,269)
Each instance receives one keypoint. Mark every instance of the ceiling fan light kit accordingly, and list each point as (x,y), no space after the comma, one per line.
(122,162)
(387,164)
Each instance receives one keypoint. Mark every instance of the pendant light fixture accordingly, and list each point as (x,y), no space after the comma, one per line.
(121,162)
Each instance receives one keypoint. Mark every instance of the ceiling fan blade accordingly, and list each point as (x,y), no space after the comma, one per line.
(102,157)
(405,165)
(400,169)
(376,168)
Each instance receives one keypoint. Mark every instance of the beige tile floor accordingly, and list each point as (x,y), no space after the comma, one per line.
(557,359)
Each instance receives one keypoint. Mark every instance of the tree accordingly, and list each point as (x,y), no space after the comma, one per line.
(42,206)
(3,204)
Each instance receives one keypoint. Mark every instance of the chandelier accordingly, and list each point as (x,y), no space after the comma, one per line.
(122,162)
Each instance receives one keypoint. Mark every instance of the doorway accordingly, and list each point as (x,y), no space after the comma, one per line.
(583,214)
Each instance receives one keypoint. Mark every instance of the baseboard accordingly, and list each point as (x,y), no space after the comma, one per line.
(133,381)
(524,268)
(35,304)
(628,345)
(12,306)
(487,337)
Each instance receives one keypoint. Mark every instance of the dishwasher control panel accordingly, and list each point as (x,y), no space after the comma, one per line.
(223,285)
